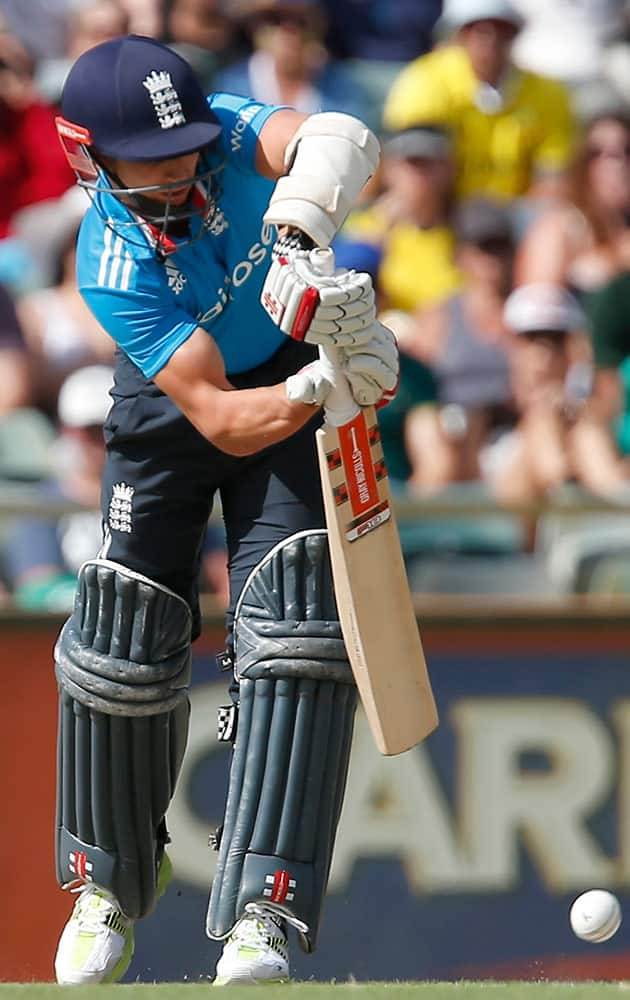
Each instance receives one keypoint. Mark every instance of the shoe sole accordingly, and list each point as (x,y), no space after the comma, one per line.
(248,981)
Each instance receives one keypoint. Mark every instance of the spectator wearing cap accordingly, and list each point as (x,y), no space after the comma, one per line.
(43,555)
(584,241)
(537,455)
(465,343)
(513,130)
(408,224)
(290,64)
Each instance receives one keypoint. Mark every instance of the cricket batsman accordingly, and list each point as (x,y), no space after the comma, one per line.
(195,255)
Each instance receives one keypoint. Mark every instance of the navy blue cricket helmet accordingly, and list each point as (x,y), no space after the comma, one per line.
(139,100)
(135,99)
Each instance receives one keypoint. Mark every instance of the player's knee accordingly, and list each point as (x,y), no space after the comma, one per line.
(126,647)
(286,621)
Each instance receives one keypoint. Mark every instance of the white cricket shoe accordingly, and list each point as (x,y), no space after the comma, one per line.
(96,945)
(257,950)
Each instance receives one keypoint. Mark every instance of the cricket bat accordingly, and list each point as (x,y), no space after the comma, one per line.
(376,611)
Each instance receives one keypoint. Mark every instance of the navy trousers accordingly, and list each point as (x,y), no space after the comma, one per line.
(161,478)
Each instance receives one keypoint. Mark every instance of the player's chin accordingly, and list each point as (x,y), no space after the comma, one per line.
(180,197)
(176,197)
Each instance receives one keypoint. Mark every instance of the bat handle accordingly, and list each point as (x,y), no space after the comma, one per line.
(340,407)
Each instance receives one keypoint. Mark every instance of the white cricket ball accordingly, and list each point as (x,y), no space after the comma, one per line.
(595,915)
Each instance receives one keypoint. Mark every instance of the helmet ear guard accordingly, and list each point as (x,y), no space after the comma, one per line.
(75,141)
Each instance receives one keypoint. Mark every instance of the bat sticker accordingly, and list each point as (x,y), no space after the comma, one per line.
(368,522)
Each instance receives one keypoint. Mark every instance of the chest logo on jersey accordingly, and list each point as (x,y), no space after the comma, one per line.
(256,254)
(176,280)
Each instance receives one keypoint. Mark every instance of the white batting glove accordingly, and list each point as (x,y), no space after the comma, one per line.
(372,369)
(336,310)
(308,385)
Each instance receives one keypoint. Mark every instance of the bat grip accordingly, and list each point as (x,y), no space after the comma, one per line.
(340,407)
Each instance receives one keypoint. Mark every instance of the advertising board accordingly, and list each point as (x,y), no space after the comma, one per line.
(457,859)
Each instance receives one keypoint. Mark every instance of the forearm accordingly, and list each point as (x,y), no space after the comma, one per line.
(238,421)
(244,421)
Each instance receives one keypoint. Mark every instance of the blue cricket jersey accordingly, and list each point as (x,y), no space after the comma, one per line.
(149,306)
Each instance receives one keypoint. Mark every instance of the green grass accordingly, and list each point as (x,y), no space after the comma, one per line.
(323,991)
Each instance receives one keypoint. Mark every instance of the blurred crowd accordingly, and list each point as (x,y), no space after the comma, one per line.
(497,232)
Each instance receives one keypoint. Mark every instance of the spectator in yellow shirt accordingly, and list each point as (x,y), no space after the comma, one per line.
(513,131)
(408,225)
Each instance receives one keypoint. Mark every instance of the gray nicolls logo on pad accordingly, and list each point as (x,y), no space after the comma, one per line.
(164,98)
(280,886)
(120,507)
(80,866)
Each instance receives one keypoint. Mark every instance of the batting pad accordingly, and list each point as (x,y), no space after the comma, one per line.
(123,668)
(296,711)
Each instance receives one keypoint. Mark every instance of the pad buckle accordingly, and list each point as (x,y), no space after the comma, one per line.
(227,720)
(224,661)
(214,840)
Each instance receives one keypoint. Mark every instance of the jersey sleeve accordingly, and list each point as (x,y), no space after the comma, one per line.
(242,120)
(132,303)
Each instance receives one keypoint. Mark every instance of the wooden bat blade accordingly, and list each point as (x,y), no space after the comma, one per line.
(375,607)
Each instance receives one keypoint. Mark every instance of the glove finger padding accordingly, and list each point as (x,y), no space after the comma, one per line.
(372,369)
(335,289)
(341,296)
(359,307)
(366,389)
(354,332)
(294,293)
